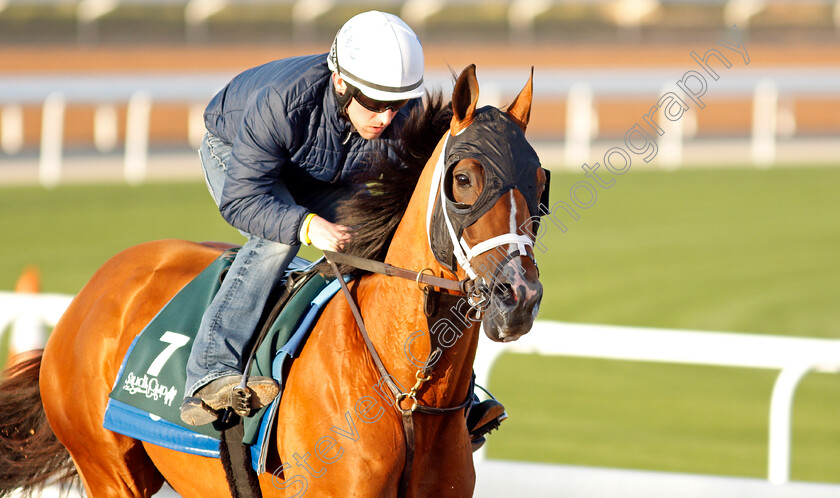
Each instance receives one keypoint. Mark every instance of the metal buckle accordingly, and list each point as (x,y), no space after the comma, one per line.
(478,299)
(412,394)
(420,276)
(403,396)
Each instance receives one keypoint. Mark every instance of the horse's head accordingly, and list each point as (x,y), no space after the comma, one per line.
(489,184)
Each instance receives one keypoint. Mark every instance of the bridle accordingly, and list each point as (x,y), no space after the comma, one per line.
(440,203)
(509,163)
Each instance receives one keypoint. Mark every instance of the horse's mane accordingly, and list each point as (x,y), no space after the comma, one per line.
(384,190)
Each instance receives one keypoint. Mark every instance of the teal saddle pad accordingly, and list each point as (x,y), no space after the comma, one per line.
(146,399)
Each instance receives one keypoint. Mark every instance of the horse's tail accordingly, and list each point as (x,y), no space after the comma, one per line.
(30,454)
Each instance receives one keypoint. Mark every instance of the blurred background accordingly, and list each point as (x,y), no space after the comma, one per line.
(733,227)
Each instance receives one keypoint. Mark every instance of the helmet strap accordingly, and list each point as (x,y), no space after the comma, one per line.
(344,100)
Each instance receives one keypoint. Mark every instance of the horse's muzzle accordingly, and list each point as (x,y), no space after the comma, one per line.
(514,302)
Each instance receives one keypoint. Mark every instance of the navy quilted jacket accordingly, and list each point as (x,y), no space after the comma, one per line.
(283,123)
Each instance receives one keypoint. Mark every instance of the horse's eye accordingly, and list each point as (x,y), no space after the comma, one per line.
(462,180)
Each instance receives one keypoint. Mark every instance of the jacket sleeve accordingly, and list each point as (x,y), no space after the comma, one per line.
(254,198)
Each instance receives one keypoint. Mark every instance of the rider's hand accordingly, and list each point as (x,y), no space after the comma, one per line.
(327,236)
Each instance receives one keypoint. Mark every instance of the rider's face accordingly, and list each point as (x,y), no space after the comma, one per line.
(368,124)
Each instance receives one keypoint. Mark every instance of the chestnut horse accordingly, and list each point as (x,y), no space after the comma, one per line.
(333,436)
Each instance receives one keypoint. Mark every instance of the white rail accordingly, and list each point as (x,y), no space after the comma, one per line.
(579,88)
(793,356)
(25,315)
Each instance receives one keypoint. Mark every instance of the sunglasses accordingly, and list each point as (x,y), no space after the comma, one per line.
(378,106)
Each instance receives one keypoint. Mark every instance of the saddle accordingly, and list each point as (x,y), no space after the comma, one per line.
(144,402)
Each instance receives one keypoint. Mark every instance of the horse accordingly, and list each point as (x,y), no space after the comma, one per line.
(333,435)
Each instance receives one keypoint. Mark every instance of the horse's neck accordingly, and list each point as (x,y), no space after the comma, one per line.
(410,246)
(397,322)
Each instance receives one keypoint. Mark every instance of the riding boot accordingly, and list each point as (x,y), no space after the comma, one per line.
(483,417)
(204,407)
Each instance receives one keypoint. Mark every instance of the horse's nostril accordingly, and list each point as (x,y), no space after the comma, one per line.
(504,294)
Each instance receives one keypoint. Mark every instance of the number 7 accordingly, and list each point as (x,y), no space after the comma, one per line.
(175,341)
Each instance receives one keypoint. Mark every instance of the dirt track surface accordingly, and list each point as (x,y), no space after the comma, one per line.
(48,59)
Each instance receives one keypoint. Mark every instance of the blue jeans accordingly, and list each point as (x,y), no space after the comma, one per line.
(228,325)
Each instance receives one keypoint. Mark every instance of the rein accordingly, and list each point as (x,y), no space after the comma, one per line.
(462,286)
(423,374)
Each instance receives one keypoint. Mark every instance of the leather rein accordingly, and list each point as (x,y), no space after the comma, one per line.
(423,374)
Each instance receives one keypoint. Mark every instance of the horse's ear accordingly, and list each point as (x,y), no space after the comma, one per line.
(520,109)
(464,99)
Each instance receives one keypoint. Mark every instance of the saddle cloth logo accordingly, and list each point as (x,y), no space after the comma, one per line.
(154,371)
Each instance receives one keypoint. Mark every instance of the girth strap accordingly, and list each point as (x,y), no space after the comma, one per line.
(236,461)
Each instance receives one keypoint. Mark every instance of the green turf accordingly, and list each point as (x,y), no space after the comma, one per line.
(736,250)
(70,231)
(707,420)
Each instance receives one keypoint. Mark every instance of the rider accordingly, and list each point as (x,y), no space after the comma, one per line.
(283,142)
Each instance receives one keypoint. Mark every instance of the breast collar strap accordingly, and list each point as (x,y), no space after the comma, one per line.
(461,249)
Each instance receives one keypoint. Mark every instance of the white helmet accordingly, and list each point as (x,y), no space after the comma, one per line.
(380,55)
